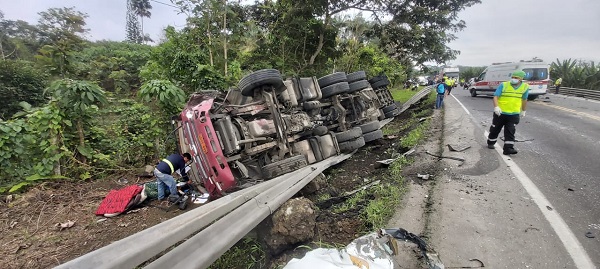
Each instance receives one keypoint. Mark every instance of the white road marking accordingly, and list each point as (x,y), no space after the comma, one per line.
(570,242)
(461,104)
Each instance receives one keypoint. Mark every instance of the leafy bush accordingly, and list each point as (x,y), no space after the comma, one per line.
(20,81)
(32,145)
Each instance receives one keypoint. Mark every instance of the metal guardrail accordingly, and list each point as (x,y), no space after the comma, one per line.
(583,93)
(418,96)
(217,225)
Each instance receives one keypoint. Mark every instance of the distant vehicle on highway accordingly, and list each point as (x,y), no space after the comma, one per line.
(451,72)
(536,75)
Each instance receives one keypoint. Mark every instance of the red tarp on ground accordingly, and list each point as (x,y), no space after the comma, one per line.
(116,201)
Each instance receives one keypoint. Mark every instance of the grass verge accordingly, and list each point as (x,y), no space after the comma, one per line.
(402,95)
(247,253)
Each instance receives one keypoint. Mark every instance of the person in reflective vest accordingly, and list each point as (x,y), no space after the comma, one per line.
(557,85)
(510,104)
(163,173)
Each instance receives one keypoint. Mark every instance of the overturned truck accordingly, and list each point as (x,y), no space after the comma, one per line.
(269,126)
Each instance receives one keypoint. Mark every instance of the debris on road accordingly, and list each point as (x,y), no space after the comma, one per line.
(424,176)
(446,157)
(589,235)
(549,208)
(458,148)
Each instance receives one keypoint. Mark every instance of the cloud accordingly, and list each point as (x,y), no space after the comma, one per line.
(511,30)
(106,18)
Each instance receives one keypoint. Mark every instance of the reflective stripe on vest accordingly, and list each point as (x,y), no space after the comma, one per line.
(511,99)
(170,165)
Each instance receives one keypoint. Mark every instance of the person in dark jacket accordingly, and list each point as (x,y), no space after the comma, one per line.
(163,173)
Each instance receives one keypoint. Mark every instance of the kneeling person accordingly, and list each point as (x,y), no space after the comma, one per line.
(164,170)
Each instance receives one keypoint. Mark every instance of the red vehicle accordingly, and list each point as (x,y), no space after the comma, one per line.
(268,127)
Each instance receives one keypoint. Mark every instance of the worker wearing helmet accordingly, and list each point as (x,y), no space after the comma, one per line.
(510,103)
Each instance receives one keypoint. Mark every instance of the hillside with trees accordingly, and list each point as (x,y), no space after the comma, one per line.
(81,109)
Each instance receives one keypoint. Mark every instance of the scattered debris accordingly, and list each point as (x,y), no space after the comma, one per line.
(13,224)
(570,189)
(123,224)
(8,198)
(387,162)
(135,210)
(458,148)
(520,140)
(391,137)
(447,157)
(549,208)
(123,180)
(589,235)
(62,226)
(333,200)
(101,220)
(424,176)
(531,228)
(374,250)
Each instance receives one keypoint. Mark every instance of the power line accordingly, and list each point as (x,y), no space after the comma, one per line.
(164,4)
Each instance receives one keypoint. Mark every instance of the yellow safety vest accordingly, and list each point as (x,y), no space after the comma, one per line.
(448,81)
(170,165)
(558,81)
(511,99)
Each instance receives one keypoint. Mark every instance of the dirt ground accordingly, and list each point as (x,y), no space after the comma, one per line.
(32,238)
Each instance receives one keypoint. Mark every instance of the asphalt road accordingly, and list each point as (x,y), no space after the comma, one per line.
(559,150)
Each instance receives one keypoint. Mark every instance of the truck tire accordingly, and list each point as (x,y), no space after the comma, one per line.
(351,134)
(372,136)
(332,79)
(370,127)
(352,145)
(337,88)
(473,92)
(260,78)
(389,108)
(377,78)
(356,76)
(358,85)
(284,166)
(380,84)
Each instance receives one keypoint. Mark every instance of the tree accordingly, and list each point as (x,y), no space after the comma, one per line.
(20,81)
(142,9)
(18,40)
(419,30)
(76,98)
(134,33)
(62,30)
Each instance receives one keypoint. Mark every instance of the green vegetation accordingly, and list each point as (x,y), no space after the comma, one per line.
(402,95)
(576,73)
(246,254)
(81,109)
(469,72)
(415,135)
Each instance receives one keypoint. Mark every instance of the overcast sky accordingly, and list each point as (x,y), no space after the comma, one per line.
(497,30)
